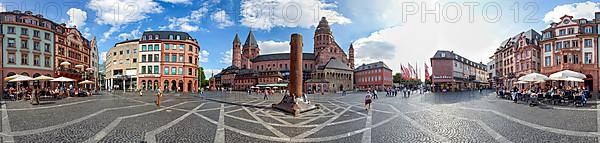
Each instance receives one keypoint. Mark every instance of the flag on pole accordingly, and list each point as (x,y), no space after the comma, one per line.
(411,71)
(427,72)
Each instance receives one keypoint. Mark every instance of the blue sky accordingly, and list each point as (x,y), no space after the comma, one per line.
(378,28)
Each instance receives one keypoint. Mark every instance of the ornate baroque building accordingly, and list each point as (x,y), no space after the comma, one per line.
(328,69)
(517,56)
(572,44)
(33,45)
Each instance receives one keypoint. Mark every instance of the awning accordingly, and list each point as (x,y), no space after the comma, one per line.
(273,85)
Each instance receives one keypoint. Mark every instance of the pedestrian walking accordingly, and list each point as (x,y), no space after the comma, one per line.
(141,93)
(266,95)
(158,96)
(375,94)
(368,101)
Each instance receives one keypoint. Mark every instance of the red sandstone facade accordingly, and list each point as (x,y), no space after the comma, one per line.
(516,57)
(328,59)
(572,44)
(376,76)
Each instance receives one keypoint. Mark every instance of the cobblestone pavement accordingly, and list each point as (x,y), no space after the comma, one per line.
(237,117)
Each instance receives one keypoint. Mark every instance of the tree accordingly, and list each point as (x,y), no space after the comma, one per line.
(202,77)
(398,78)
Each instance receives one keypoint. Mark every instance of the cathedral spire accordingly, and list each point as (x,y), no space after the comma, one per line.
(251,40)
(236,39)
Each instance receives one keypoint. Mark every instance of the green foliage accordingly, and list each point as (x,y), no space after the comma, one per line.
(202,77)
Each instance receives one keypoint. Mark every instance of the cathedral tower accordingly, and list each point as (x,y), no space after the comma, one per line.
(351,56)
(250,50)
(236,52)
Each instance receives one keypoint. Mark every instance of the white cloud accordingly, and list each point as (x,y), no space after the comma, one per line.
(2,8)
(136,33)
(86,32)
(266,14)
(415,41)
(271,47)
(203,57)
(103,56)
(227,57)
(178,1)
(120,12)
(188,23)
(77,17)
(222,19)
(209,72)
(577,10)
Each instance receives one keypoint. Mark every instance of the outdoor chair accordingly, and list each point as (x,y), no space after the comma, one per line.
(555,99)
(578,101)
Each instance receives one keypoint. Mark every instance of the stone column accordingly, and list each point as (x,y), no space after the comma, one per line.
(295,84)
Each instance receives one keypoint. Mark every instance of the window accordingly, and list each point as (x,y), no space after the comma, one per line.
(575,43)
(127,52)
(174,58)
(567,44)
(189,71)
(587,43)
(557,60)
(181,47)
(180,58)
(47,61)
(191,48)
(144,48)
(547,35)
(156,70)
(24,44)
(156,59)
(11,58)
(47,36)
(11,42)
(36,46)
(47,47)
(149,37)
(178,37)
(190,58)
(114,53)
(588,58)
(149,58)
(170,37)
(558,46)
(180,71)
(120,52)
(149,70)
(571,31)
(167,46)
(24,59)
(11,30)
(24,31)
(134,60)
(143,69)
(173,71)
(156,47)
(36,33)
(167,71)
(143,58)
(156,37)
(561,32)
(575,59)
(166,58)
(588,30)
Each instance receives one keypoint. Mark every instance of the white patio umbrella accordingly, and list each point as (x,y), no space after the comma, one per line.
(534,77)
(62,79)
(86,82)
(566,74)
(521,82)
(12,77)
(572,79)
(21,78)
(43,78)
(65,63)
